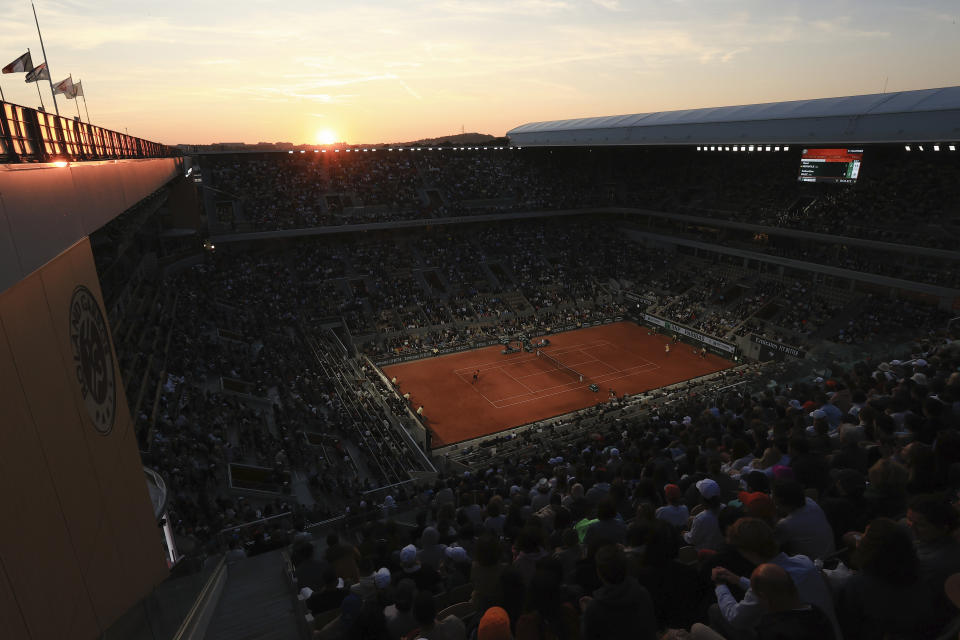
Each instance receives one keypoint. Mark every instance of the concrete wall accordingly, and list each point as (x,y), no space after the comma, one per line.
(46,208)
(78,543)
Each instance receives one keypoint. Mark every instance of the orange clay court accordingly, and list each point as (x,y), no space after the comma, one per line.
(519,388)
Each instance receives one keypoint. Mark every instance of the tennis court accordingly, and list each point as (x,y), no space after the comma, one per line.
(518,388)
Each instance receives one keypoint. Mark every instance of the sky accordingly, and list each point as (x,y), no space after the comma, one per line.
(363,72)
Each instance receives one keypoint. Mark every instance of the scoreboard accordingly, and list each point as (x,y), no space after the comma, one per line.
(830,165)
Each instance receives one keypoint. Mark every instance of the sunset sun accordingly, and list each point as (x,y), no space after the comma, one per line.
(326,136)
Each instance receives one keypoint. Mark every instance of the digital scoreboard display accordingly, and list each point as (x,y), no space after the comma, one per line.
(830,165)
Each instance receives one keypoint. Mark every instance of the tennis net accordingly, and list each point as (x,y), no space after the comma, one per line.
(560,365)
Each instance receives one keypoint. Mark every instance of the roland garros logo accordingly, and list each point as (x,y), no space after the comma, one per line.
(93,359)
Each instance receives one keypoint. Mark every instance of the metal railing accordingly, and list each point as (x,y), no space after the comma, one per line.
(31,135)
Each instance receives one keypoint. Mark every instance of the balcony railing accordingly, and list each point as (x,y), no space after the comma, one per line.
(30,135)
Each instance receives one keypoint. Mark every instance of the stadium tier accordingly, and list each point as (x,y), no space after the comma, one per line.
(752,367)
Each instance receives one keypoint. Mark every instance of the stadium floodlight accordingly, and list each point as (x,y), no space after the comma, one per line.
(727,149)
(952,147)
(291,151)
(751,148)
(768,147)
(920,146)
(323,150)
(786,148)
(302,151)
(936,147)
(776,148)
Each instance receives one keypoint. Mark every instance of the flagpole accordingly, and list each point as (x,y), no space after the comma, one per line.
(37,84)
(44,51)
(40,96)
(84,96)
(77,102)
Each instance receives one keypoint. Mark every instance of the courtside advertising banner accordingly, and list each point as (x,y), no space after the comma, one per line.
(690,333)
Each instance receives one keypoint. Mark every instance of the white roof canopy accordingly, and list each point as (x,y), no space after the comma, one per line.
(927,115)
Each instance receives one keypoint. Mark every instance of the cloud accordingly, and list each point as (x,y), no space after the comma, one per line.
(409,90)
(609,5)
(498,7)
(728,56)
(315,81)
(838,27)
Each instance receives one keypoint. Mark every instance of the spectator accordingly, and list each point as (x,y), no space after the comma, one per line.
(494,625)
(431,552)
(608,528)
(787,617)
(342,626)
(485,572)
(621,608)
(886,496)
(674,512)
(933,521)
(755,541)
(705,531)
(330,595)
(804,529)
(399,615)
(886,598)
(426,579)
(431,628)
(548,614)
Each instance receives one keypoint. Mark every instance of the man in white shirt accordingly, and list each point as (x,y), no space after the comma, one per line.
(705,530)
(755,541)
(805,529)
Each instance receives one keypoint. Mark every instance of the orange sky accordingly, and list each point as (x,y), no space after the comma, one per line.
(213,71)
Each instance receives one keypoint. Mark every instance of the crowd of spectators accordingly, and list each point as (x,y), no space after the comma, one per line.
(807,508)
(898,198)
(770,481)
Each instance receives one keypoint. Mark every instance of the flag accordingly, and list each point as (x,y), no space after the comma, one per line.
(20,65)
(77,91)
(39,72)
(65,87)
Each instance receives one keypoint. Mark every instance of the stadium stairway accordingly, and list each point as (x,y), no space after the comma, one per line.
(517,301)
(256,603)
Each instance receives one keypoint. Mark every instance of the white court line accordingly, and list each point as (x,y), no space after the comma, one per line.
(482,394)
(498,364)
(564,388)
(603,378)
(519,383)
(497,404)
(556,386)
(614,368)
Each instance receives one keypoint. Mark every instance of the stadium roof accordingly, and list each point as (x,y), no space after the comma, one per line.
(928,115)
